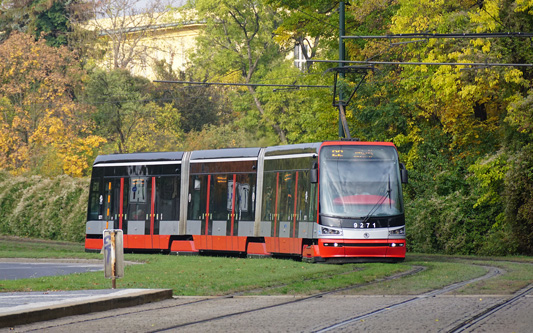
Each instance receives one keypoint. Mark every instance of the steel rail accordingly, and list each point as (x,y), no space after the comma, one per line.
(488,312)
(492,272)
(414,270)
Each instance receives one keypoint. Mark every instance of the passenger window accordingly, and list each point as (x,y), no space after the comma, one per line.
(245,197)
(96,200)
(269,196)
(138,190)
(169,195)
(197,197)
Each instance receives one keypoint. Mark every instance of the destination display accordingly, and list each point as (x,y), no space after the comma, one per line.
(358,153)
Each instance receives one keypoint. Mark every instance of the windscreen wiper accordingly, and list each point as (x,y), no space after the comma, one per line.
(380,202)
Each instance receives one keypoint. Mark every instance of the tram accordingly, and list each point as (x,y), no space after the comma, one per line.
(334,201)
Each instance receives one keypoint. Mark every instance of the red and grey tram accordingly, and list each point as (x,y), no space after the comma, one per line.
(335,201)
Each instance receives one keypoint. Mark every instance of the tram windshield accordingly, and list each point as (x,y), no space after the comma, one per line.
(359,182)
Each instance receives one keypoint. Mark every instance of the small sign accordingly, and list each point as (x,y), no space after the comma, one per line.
(113,254)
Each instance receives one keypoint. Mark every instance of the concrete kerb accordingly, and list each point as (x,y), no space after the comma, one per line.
(118,298)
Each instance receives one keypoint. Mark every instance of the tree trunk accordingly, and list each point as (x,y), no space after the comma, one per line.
(276,127)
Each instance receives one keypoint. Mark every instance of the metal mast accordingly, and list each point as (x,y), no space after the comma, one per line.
(342,115)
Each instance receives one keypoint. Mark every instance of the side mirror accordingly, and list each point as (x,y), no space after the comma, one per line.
(313,174)
(403,174)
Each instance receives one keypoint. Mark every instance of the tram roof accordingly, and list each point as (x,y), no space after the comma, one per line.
(225,153)
(139,157)
(293,149)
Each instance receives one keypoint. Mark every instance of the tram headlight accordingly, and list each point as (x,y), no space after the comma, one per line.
(330,231)
(397,232)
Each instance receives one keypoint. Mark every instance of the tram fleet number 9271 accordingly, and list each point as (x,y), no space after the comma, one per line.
(334,201)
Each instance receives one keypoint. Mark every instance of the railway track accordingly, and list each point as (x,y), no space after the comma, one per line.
(275,313)
(467,324)
(492,272)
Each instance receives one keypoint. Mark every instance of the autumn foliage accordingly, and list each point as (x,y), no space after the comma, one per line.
(43,127)
(464,132)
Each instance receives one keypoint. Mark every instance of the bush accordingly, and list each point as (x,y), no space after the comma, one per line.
(45,208)
(519,200)
(460,212)
(446,224)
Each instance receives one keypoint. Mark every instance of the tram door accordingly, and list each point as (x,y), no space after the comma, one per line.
(198,209)
(153,211)
(211,212)
(279,206)
(221,207)
(221,212)
(287,209)
(141,212)
(113,203)
(286,206)
(243,205)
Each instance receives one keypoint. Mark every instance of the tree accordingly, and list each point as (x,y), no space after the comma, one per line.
(44,128)
(304,114)
(50,20)
(311,26)
(518,199)
(125,115)
(126,24)
(477,112)
(199,105)
(463,131)
(237,39)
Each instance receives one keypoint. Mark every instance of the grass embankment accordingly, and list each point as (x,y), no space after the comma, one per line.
(188,275)
(45,208)
(198,275)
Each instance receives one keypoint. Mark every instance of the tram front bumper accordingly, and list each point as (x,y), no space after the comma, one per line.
(348,248)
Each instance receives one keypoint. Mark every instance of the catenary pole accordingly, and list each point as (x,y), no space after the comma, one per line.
(341,62)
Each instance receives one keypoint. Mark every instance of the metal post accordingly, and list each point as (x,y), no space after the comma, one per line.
(113,264)
(341,58)
(113,255)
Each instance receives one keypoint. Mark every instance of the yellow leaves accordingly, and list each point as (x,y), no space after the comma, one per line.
(417,16)
(468,91)
(414,136)
(69,153)
(490,174)
(12,152)
(524,5)
(78,154)
(515,76)
(400,24)
(41,125)
(406,24)
(486,47)
(446,81)
(520,111)
(10,72)
(487,17)
(420,23)
(283,37)
(484,44)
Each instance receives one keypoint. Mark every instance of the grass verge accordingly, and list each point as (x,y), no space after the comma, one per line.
(210,276)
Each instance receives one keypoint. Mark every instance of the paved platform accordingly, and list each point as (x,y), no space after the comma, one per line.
(17,308)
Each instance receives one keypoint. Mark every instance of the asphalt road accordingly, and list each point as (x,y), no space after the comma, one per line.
(25,270)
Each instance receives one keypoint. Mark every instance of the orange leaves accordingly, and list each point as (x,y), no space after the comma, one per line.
(39,119)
